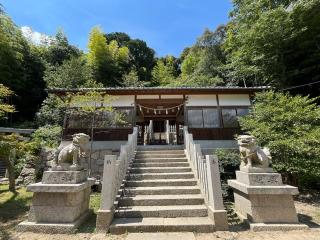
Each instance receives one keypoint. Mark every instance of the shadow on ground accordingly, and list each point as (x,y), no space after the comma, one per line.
(307,220)
(89,225)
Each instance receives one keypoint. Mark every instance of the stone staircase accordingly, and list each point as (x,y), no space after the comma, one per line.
(161,194)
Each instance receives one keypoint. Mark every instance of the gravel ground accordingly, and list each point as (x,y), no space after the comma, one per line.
(308,209)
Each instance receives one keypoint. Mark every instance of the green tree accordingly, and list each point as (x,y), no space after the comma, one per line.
(52,111)
(92,104)
(73,73)
(106,60)
(290,127)
(21,69)
(131,79)
(141,57)
(59,50)
(165,71)
(274,43)
(4,106)
(204,63)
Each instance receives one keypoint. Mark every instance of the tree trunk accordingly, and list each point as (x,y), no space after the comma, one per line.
(10,167)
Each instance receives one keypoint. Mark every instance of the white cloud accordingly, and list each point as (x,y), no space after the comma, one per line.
(36,37)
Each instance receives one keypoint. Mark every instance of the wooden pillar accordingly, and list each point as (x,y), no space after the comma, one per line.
(177,133)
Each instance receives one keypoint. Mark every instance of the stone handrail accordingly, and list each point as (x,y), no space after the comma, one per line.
(114,172)
(206,170)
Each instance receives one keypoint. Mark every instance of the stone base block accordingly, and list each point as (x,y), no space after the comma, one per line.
(257,227)
(57,207)
(264,202)
(104,219)
(64,177)
(259,179)
(52,228)
(219,218)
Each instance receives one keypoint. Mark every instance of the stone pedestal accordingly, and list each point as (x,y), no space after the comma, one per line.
(264,201)
(60,202)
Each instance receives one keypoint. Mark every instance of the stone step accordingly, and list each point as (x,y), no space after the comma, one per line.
(163,190)
(161,151)
(162,182)
(160,155)
(193,224)
(147,160)
(160,170)
(160,164)
(145,176)
(162,211)
(161,200)
(160,147)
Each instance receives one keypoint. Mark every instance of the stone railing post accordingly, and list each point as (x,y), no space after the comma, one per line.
(215,202)
(106,211)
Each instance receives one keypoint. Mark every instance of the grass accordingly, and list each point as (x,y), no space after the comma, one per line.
(15,206)
(89,226)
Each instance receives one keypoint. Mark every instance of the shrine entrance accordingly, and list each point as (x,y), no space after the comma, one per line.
(160,121)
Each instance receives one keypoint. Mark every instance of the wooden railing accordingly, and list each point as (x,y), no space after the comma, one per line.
(114,172)
(206,170)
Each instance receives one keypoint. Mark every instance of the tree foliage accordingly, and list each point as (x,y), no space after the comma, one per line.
(72,73)
(106,60)
(165,71)
(4,106)
(141,57)
(274,42)
(290,127)
(203,64)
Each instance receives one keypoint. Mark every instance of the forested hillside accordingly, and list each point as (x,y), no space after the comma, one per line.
(265,42)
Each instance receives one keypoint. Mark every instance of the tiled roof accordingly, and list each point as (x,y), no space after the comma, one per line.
(56,90)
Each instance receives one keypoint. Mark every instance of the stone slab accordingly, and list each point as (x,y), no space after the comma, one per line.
(259,179)
(41,187)
(64,177)
(256,170)
(257,227)
(161,236)
(273,190)
(51,228)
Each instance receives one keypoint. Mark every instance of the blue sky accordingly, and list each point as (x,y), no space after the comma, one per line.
(168,26)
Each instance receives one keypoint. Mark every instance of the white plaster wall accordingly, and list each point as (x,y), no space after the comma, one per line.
(202,100)
(171,96)
(234,100)
(123,101)
(147,96)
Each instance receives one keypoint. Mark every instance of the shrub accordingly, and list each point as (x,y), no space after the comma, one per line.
(290,127)
(229,162)
(47,136)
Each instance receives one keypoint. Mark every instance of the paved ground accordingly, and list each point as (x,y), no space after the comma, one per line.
(313,234)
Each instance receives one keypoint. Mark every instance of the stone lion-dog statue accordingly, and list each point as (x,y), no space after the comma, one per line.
(251,154)
(67,157)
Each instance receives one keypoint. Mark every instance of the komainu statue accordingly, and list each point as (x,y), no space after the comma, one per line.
(67,157)
(251,154)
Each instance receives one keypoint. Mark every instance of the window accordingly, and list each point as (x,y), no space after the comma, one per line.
(242,111)
(203,118)
(195,118)
(211,118)
(230,116)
